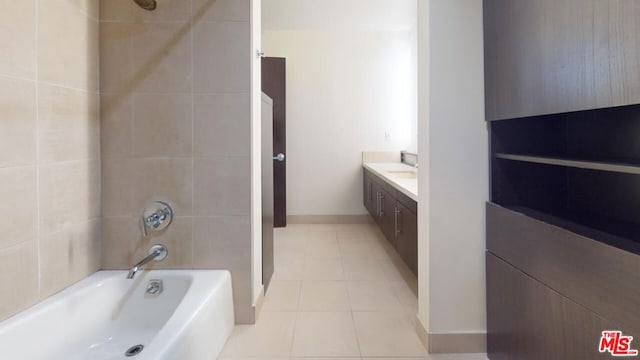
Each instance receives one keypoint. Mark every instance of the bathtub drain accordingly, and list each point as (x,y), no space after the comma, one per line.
(134,350)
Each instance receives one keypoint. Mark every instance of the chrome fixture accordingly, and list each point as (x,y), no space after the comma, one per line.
(157,253)
(147,4)
(279,157)
(155,287)
(156,216)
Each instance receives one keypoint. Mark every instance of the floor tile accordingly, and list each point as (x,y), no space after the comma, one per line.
(380,250)
(288,268)
(388,334)
(373,296)
(325,334)
(324,296)
(282,296)
(357,250)
(271,336)
(322,248)
(322,269)
(407,295)
(362,269)
(396,271)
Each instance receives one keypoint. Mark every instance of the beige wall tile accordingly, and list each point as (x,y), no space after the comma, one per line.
(117,187)
(18,208)
(60,39)
(225,243)
(68,44)
(127,10)
(18,125)
(68,124)
(116,126)
(69,256)
(18,39)
(221,10)
(89,7)
(215,74)
(167,10)
(116,54)
(117,10)
(18,278)
(222,186)
(119,237)
(222,125)
(69,193)
(169,180)
(162,58)
(178,238)
(162,125)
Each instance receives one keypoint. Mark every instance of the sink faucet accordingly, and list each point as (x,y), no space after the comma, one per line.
(157,253)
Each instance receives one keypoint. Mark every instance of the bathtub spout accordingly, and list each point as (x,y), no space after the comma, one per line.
(157,253)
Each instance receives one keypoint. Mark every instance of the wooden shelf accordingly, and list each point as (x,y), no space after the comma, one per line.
(582,164)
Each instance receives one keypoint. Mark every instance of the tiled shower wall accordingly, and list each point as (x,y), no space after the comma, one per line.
(49,148)
(176,127)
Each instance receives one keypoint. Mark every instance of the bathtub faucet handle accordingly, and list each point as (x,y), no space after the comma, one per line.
(156,216)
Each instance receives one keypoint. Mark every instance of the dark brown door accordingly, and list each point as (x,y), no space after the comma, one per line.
(274,84)
(267,193)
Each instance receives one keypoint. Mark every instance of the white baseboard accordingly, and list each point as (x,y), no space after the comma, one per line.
(329,219)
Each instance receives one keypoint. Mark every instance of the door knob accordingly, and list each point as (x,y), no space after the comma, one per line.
(279,157)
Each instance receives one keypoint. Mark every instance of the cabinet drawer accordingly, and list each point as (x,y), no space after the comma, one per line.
(408,202)
(381,183)
(600,277)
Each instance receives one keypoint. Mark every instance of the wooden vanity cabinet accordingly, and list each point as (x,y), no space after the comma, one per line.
(395,214)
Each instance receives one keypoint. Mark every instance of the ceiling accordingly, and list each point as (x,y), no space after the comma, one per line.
(327,15)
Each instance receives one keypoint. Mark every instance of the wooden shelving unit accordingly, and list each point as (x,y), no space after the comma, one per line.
(574,163)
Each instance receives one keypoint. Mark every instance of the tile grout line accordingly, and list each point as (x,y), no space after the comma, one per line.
(193,125)
(37,135)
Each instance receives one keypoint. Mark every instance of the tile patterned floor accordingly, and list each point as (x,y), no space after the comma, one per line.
(339,292)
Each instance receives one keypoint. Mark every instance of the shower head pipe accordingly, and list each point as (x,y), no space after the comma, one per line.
(147,4)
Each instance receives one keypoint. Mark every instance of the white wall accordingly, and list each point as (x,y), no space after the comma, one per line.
(424,161)
(345,89)
(452,228)
(256,150)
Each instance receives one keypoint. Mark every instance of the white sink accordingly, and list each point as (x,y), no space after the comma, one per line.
(403,174)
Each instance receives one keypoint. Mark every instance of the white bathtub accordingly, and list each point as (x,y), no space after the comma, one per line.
(104,315)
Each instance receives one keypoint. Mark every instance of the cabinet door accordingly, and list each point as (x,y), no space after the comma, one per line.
(527,320)
(375,203)
(549,56)
(368,195)
(407,236)
(388,206)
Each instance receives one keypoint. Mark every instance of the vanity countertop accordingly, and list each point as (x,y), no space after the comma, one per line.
(402,177)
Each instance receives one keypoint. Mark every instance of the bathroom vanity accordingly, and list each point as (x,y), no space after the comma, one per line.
(390,195)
